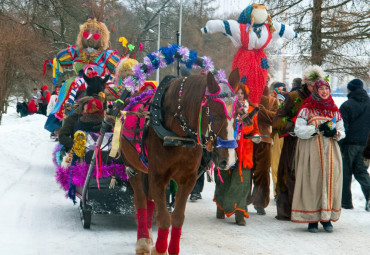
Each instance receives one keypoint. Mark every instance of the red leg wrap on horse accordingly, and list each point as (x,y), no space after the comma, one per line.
(161,244)
(174,247)
(150,208)
(142,228)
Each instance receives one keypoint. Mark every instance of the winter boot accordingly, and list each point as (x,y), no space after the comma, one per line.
(327,226)
(313,227)
(367,205)
(220,214)
(260,210)
(193,197)
(239,218)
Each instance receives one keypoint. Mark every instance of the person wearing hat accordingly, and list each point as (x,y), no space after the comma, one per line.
(356,116)
(233,186)
(87,116)
(318,162)
(283,124)
(148,85)
(33,105)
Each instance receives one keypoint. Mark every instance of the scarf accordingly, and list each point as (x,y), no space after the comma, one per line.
(324,107)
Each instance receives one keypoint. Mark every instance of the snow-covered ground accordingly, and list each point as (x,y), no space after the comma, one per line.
(36,218)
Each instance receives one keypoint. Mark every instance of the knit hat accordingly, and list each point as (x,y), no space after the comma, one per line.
(152,84)
(355,84)
(277,91)
(94,106)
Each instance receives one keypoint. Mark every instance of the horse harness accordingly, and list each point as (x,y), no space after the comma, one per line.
(194,136)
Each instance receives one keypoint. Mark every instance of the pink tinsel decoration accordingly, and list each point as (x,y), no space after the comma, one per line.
(79,172)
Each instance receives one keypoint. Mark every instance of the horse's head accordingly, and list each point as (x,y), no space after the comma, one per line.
(220,105)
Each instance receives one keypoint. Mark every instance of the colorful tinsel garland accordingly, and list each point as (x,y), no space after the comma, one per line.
(79,171)
(166,56)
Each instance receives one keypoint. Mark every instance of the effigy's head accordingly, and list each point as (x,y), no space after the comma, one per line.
(255,15)
(94,35)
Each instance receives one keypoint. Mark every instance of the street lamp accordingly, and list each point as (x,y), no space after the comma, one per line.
(180,22)
(159,37)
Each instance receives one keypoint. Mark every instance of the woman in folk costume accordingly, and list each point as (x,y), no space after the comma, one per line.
(233,186)
(318,161)
(283,124)
(253,31)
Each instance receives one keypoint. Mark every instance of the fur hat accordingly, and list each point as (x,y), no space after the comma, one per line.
(355,84)
(94,106)
(312,74)
(152,84)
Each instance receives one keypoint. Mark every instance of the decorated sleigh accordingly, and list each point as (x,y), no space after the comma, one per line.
(104,191)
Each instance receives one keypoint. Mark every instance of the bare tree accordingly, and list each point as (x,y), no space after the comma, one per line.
(21,53)
(333,33)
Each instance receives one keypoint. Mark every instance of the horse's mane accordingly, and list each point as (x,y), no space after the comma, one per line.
(192,95)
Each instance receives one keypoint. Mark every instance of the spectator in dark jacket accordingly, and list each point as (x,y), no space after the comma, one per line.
(45,98)
(296,84)
(87,117)
(356,116)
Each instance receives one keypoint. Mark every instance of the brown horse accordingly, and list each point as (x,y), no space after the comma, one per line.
(202,101)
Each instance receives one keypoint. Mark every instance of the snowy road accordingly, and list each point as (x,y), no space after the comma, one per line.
(35,217)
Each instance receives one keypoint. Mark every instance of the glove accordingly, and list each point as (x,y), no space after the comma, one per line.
(324,126)
(256,139)
(330,132)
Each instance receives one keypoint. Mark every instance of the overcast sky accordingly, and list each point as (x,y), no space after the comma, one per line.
(228,6)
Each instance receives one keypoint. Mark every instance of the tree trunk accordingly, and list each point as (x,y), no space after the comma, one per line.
(316,46)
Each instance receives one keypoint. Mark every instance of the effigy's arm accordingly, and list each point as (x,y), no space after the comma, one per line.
(284,31)
(229,28)
(112,60)
(63,58)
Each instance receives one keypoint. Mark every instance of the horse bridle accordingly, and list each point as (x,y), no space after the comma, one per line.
(211,137)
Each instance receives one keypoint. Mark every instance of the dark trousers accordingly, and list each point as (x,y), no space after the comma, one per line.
(198,188)
(353,164)
(261,174)
(286,179)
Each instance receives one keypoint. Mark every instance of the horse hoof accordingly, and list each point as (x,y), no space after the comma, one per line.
(151,236)
(143,246)
(154,252)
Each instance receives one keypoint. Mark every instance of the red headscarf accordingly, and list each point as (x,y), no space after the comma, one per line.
(325,107)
